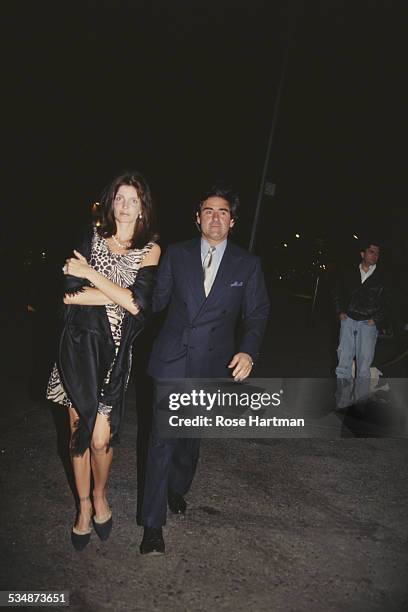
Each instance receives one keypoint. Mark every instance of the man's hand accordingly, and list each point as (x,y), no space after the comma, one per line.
(343,316)
(242,364)
(371,322)
(77,266)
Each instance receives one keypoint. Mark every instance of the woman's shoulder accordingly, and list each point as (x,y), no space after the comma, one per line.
(150,253)
(151,246)
(97,238)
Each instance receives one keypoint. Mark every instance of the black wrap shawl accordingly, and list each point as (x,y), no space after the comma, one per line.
(86,352)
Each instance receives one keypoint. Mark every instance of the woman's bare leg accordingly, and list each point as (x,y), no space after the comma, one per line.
(101,459)
(82,472)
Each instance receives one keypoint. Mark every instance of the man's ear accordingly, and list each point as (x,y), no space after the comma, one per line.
(232,223)
(198,219)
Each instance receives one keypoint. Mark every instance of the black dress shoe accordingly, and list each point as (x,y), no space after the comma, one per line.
(103,529)
(177,503)
(152,543)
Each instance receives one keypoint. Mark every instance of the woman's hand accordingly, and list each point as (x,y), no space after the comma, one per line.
(77,266)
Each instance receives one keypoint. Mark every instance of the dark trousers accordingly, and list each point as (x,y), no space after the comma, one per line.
(171,464)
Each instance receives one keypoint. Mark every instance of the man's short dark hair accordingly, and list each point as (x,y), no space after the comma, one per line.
(221,190)
(367,242)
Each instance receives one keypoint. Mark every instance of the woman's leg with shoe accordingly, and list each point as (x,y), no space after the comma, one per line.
(101,459)
(82,472)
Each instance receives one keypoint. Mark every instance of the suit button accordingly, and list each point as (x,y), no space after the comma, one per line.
(224,312)
(210,349)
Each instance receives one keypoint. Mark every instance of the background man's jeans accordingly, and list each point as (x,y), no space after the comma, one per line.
(357,339)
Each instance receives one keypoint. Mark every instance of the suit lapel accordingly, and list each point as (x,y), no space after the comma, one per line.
(195,279)
(224,272)
(194,272)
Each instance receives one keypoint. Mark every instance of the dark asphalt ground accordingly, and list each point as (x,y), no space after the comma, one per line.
(272,524)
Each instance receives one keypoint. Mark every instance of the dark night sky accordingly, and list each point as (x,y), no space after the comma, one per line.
(184,91)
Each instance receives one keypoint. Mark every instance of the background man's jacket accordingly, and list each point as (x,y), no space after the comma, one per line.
(362,301)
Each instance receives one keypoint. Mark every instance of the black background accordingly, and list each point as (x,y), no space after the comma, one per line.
(184,92)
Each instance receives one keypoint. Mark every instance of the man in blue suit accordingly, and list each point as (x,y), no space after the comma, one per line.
(207,283)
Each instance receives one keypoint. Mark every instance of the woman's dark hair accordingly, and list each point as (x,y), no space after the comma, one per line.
(144,227)
(220,190)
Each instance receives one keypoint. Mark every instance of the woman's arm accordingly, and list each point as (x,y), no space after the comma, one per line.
(89,296)
(79,267)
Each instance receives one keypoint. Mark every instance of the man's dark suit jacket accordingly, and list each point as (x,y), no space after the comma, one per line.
(197,339)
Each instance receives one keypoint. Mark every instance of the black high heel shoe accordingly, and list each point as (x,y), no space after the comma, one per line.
(103,527)
(80,539)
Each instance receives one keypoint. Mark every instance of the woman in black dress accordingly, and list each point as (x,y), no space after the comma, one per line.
(108,287)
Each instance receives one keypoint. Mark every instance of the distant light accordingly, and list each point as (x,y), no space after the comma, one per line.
(43,254)
(297,235)
(285,245)
(280,278)
(98,223)
(355,236)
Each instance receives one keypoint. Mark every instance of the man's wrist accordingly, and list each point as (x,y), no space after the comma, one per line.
(249,357)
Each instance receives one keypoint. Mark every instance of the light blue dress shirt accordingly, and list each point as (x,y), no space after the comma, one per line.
(217,255)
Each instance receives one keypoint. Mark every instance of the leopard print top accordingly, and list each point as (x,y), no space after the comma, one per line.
(122,270)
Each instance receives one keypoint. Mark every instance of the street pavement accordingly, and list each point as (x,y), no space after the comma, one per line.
(272,524)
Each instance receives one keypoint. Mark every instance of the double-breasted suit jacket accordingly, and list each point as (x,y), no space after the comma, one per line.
(198,338)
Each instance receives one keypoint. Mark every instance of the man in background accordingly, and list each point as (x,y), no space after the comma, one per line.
(360,303)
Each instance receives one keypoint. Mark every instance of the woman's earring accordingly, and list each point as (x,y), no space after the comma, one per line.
(140,215)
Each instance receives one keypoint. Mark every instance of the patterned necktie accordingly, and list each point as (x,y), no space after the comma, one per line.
(209,270)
